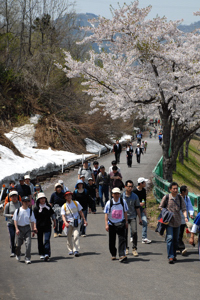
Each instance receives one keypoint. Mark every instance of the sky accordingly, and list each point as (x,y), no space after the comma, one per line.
(172,9)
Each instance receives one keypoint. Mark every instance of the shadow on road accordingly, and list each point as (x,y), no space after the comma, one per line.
(89,253)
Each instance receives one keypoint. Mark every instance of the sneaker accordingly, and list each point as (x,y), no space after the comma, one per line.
(123,259)
(12,255)
(46,257)
(184,252)
(113,258)
(18,258)
(127,249)
(174,259)
(134,252)
(55,235)
(27,261)
(60,234)
(131,239)
(146,241)
(71,253)
(42,257)
(83,235)
(76,253)
(171,261)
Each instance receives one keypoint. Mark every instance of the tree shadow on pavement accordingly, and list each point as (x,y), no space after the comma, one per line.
(96,234)
(89,253)
(149,253)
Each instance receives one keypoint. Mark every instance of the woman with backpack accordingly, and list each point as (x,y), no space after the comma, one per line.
(82,196)
(9,210)
(43,214)
(56,201)
(70,212)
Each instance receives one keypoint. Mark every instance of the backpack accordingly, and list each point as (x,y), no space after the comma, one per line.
(65,206)
(167,199)
(121,202)
(30,211)
(85,169)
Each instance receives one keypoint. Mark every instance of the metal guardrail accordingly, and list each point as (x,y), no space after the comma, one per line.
(161,187)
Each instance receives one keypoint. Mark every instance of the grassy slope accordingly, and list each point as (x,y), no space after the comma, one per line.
(188,174)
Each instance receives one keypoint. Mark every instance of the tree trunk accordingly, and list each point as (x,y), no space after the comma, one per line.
(181,155)
(187,146)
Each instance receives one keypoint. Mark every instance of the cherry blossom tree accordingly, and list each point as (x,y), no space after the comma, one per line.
(150,67)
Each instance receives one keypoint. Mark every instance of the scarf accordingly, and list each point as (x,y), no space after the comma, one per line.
(41,206)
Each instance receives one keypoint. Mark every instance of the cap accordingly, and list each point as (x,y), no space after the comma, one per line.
(116,190)
(138,144)
(25,199)
(41,195)
(101,167)
(11,188)
(68,193)
(141,179)
(79,181)
(90,178)
(60,181)
(57,185)
(27,177)
(21,178)
(13,193)
(38,186)
(82,176)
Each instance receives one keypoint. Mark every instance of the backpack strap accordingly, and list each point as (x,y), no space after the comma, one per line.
(65,207)
(121,202)
(75,204)
(166,199)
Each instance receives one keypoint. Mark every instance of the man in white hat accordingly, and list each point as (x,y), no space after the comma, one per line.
(116,222)
(141,192)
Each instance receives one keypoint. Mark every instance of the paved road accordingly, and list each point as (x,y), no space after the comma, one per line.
(93,275)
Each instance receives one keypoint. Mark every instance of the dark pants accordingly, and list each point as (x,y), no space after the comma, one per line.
(93,204)
(181,245)
(133,226)
(138,158)
(59,225)
(129,160)
(103,190)
(82,228)
(117,156)
(11,229)
(44,246)
(113,231)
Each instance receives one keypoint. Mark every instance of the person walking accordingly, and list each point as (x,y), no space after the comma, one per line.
(140,191)
(133,203)
(116,223)
(129,154)
(103,182)
(190,213)
(9,210)
(23,216)
(70,212)
(117,151)
(56,201)
(86,171)
(44,214)
(174,203)
(138,152)
(81,195)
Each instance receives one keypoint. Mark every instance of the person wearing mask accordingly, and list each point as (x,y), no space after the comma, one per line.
(56,201)
(81,195)
(44,214)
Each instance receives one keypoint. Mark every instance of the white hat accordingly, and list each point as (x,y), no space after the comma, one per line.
(90,178)
(57,185)
(116,190)
(82,176)
(27,177)
(41,195)
(13,193)
(141,179)
(60,181)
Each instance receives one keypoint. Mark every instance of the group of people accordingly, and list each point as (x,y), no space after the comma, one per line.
(28,210)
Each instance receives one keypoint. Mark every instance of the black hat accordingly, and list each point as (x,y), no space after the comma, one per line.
(21,178)
(25,199)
